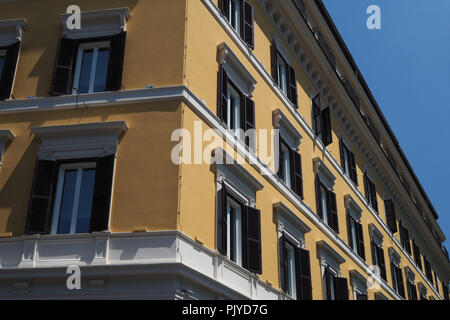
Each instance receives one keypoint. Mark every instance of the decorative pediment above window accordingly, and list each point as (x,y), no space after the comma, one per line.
(5,137)
(358,281)
(395,257)
(328,256)
(77,141)
(352,207)
(375,234)
(422,289)
(410,274)
(11,31)
(289,222)
(227,169)
(287,130)
(325,175)
(98,23)
(235,69)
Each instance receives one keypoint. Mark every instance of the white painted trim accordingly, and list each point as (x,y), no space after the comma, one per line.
(287,130)
(288,222)
(11,31)
(98,23)
(235,69)
(325,175)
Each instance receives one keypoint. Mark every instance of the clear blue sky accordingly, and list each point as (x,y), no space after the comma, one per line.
(407,67)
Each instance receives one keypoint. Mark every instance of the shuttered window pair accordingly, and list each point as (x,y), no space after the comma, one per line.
(322,122)
(240,14)
(378,259)
(295,270)
(391,218)
(355,236)
(412,290)
(8,62)
(290,167)
(348,162)
(397,280)
(235,109)
(326,205)
(404,238)
(70,62)
(417,257)
(428,271)
(42,202)
(245,240)
(336,288)
(371,192)
(284,75)
(445,290)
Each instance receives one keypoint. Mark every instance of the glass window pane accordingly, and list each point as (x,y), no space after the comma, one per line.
(85,201)
(65,211)
(2,63)
(101,70)
(85,72)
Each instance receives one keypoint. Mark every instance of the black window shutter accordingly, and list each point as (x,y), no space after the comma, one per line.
(391,218)
(283,263)
(360,239)
(115,64)
(62,73)
(248,29)
(374,252)
(9,70)
(332,212)
(318,200)
(366,187)
(40,210)
(341,289)
(382,265)
(327,137)
(102,194)
(349,230)
(274,61)
(222,220)
(400,282)
(328,280)
(222,91)
(353,171)
(304,289)
(341,151)
(445,290)
(374,196)
(253,240)
(292,92)
(414,292)
(297,179)
(407,242)
(280,158)
(224,7)
(248,118)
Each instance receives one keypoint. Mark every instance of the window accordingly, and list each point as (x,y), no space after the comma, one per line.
(371,193)
(391,218)
(284,75)
(8,62)
(326,205)
(404,238)
(73,200)
(334,286)
(417,257)
(378,259)
(72,185)
(397,275)
(428,271)
(348,162)
(359,285)
(355,235)
(321,122)
(236,109)
(91,68)
(295,264)
(290,168)
(295,270)
(423,291)
(445,290)
(410,286)
(240,15)
(89,65)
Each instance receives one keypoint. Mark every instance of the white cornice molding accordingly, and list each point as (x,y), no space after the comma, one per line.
(324,173)
(325,252)
(98,23)
(11,31)
(80,140)
(375,234)
(350,203)
(5,137)
(283,213)
(235,69)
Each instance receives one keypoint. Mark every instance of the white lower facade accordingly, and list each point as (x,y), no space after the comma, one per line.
(150,265)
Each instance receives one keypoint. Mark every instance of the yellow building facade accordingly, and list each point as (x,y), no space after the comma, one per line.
(106,158)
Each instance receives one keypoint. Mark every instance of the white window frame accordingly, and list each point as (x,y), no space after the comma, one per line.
(80,166)
(282,73)
(291,272)
(96,46)
(231,203)
(286,165)
(346,166)
(236,14)
(234,103)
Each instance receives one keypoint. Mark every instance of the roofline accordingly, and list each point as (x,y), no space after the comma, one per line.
(323,10)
